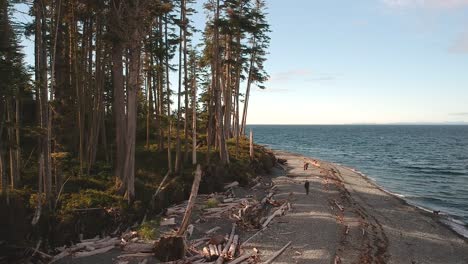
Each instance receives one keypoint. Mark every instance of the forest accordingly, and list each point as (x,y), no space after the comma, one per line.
(121,100)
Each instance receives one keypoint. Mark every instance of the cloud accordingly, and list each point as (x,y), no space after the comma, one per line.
(436,4)
(460,44)
(289,75)
(459,114)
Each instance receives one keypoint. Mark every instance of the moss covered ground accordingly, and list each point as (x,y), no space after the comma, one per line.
(88,205)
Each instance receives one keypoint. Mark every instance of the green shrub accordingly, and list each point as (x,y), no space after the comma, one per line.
(211,203)
(149,230)
(74,185)
(91,199)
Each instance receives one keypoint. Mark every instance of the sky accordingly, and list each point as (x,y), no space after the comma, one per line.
(365,61)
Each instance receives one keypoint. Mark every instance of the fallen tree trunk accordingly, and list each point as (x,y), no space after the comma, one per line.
(94,252)
(279,252)
(242,258)
(278,212)
(223,254)
(191,202)
(232,248)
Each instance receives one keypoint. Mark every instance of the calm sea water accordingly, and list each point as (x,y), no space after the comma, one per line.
(426,165)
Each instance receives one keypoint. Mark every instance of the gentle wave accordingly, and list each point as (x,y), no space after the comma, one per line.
(456,226)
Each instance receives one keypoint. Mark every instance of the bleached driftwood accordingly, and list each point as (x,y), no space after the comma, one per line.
(212,230)
(167,222)
(206,252)
(256,186)
(224,252)
(278,212)
(138,247)
(233,246)
(135,255)
(279,252)
(94,252)
(242,258)
(230,185)
(338,205)
(189,231)
(191,202)
(213,250)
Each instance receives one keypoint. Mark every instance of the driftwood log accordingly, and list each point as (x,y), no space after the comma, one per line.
(191,202)
(172,248)
(279,252)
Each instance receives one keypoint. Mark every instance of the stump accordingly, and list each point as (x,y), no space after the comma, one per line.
(170,248)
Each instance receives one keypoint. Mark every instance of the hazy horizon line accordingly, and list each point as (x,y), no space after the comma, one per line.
(463,123)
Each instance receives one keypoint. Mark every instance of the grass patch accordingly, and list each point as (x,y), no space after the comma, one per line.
(149,230)
(211,203)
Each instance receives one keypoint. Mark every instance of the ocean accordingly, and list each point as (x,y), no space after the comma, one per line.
(427,165)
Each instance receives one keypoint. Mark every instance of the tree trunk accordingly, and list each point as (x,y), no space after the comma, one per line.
(223,154)
(149,101)
(247,92)
(191,202)
(186,92)
(11,143)
(3,176)
(43,101)
(168,87)
(178,158)
(132,90)
(119,111)
(194,115)
(160,71)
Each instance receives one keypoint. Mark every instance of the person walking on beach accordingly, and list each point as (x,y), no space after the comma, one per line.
(306,165)
(306,186)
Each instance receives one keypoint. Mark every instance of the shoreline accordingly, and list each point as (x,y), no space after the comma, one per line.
(449,219)
(421,209)
(393,230)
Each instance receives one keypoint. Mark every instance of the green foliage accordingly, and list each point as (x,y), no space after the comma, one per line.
(211,203)
(149,230)
(75,185)
(91,199)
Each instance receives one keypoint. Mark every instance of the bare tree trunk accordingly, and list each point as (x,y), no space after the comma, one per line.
(132,89)
(169,158)
(178,158)
(194,115)
(218,111)
(186,132)
(191,202)
(76,77)
(161,83)
(237,88)
(247,92)
(43,101)
(119,111)
(3,176)
(11,140)
(228,91)
(149,100)
(97,107)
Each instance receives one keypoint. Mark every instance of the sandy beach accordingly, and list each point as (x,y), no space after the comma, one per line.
(348,219)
